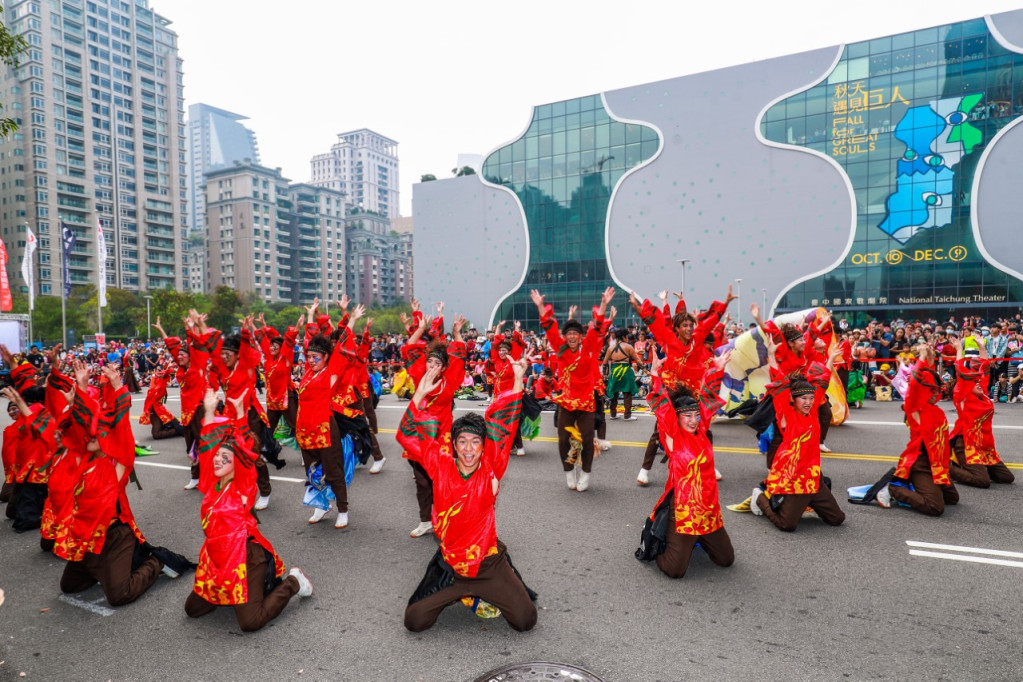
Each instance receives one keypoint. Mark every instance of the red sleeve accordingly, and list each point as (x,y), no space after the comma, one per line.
(550,328)
(417,435)
(708,320)
(664,336)
(502,420)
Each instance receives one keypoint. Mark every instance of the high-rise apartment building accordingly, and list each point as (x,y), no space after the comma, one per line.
(283,242)
(99,98)
(363,165)
(379,260)
(216,139)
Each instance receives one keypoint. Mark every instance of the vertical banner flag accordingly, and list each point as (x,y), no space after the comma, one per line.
(6,302)
(28,271)
(101,254)
(68,237)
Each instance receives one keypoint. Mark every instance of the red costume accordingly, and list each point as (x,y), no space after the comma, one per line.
(685,363)
(579,369)
(192,380)
(156,396)
(928,427)
(464,514)
(796,468)
(227,521)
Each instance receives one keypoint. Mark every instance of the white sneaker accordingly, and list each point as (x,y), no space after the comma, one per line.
(717,473)
(520,452)
(631,418)
(884,498)
(753,507)
(583,482)
(423,528)
(825,448)
(572,479)
(262,502)
(192,484)
(342,520)
(643,478)
(377,465)
(318,514)
(305,588)
(602,444)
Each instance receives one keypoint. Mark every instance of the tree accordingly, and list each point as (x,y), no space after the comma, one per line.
(225,309)
(10,47)
(464,170)
(429,177)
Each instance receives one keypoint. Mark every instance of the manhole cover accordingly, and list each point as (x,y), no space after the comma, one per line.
(538,671)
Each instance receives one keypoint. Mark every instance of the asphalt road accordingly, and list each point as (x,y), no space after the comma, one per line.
(822,603)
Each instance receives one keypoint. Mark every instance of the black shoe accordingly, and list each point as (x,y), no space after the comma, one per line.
(279,463)
(173,564)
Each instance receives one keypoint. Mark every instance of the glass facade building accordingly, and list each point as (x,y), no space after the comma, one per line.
(877,179)
(563,170)
(908,117)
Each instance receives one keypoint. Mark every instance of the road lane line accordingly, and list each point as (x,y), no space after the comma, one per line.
(959,548)
(161,465)
(88,606)
(965,557)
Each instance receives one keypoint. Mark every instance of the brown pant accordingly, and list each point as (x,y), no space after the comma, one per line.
(824,418)
(112,569)
(160,430)
(651,449)
(790,510)
(976,475)
(332,459)
(496,583)
(674,561)
(583,421)
(424,491)
(927,497)
(290,415)
(366,405)
(256,428)
(260,609)
(192,432)
(626,400)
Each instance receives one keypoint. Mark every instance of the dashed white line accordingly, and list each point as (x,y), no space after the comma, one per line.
(92,607)
(182,467)
(972,558)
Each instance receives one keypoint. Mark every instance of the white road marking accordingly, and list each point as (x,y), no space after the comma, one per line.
(182,467)
(964,557)
(873,423)
(959,548)
(92,607)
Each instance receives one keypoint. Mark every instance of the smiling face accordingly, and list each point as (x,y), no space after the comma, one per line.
(684,330)
(689,420)
(573,338)
(229,357)
(798,345)
(315,360)
(803,403)
(223,463)
(183,358)
(275,349)
(468,449)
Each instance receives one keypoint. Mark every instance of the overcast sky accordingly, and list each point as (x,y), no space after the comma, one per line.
(452,76)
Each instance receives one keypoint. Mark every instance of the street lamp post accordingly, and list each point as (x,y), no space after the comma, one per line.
(764,292)
(685,264)
(738,298)
(148,320)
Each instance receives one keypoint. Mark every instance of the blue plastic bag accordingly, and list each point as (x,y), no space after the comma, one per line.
(317,493)
(350,459)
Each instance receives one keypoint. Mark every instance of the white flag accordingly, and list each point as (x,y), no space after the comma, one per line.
(28,271)
(101,254)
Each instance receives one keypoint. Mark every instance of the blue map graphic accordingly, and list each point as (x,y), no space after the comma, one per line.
(937,136)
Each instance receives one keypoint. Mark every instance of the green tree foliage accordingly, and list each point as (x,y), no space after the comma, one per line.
(464,170)
(429,177)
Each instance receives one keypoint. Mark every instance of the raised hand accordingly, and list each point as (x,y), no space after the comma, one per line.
(209,403)
(440,308)
(344,303)
(113,375)
(730,296)
(359,312)
(614,311)
(572,310)
(415,305)
(518,326)
(7,356)
(82,373)
(634,301)
(721,360)
(54,355)
(608,295)
(238,404)
(537,299)
(429,383)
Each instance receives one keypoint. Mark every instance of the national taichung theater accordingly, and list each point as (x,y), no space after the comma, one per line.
(878,178)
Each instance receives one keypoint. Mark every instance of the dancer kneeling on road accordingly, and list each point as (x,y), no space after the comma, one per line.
(95,528)
(689,511)
(794,481)
(237,566)
(471,562)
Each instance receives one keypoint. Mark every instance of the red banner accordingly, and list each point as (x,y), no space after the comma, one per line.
(6,302)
